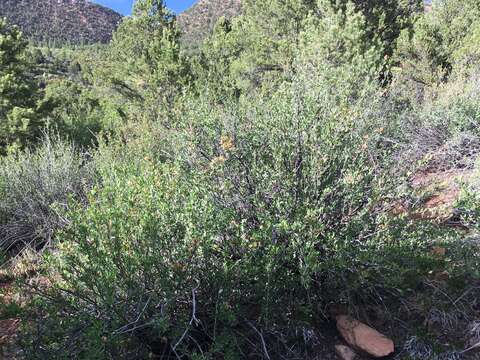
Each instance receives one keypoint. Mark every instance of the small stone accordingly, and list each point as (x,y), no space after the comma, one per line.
(344,352)
(363,337)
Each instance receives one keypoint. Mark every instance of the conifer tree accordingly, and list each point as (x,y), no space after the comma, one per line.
(266,37)
(19,119)
(337,47)
(148,68)
(385,19)
(212,66)
(268,34)
(443,39)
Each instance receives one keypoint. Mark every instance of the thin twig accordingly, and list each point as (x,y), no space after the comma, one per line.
(192,320)
(264,346)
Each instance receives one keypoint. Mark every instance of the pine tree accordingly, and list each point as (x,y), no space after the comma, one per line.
(267,34)
(338,47)
(443,39)
(212,66)
(148,68)
(20,122)
(385,19)
(266,37)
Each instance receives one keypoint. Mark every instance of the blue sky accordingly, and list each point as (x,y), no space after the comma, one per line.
(124,6)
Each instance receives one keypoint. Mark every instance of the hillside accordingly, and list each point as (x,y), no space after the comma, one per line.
(61,21)
(198,21)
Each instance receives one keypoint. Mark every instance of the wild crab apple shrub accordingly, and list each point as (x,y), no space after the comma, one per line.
(267,214)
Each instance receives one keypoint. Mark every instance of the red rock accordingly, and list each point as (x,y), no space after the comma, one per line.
(363,337)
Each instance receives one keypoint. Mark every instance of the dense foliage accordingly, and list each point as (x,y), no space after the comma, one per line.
(33,183)
(20,120)
(222,203)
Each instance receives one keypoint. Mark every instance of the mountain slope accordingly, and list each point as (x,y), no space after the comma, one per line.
(61,21)
(197,22)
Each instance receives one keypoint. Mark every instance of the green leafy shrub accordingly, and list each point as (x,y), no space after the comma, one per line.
(225,224)
(80,114)
(267,214)
(156,246)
